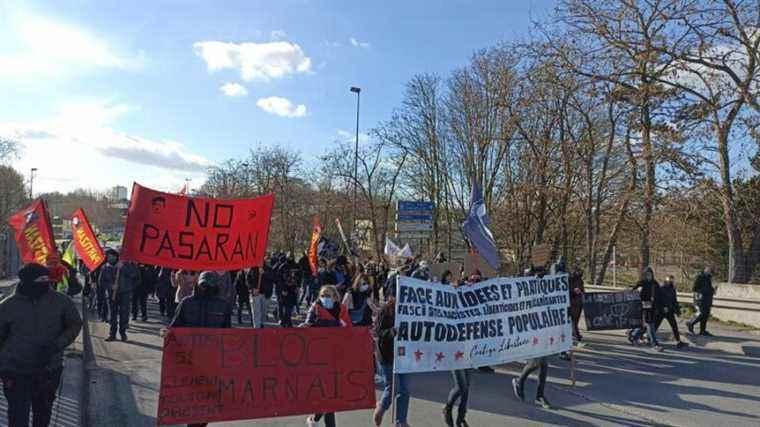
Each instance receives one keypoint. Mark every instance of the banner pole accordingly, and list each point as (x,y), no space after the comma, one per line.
(393,399)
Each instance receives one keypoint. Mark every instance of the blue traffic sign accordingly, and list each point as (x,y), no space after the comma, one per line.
(405,206)
(414,218)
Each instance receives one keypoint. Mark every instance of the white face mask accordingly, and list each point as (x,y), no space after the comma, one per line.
(327,302)
(364,287)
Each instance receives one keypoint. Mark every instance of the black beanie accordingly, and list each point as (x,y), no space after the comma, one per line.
(31,272)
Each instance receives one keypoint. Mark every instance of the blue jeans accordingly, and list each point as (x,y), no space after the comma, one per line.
(402,394)
(651,332)
(461,390)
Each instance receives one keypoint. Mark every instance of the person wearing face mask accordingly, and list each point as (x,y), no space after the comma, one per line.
(359,302)
(205,308)
(36,325)
(667,307)
(106,279)
(326,312)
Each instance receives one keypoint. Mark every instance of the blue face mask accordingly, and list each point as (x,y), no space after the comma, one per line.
(327,302)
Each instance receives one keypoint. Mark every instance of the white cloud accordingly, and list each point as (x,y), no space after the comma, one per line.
(234,90)
(346,136)
(51,48)
(281,107)
(254,61)
(356,43)
(79,148)
(278,35)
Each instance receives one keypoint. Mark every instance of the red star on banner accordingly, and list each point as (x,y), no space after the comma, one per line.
(535,341)
(458,355)
(439,357)
(551,341)
(418,355)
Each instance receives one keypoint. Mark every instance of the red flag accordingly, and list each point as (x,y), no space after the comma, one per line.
(316,234)
(34,234)
(195,233)
(85,242)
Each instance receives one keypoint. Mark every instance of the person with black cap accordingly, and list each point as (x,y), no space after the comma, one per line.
(36,325)
(126,280)
(205,308)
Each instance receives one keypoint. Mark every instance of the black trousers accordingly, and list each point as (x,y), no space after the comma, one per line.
(120,313)
(703,315)
(103,295)
(36,392)
(543,369)
(140,303)
(329,419)
(671,318)
(284,313)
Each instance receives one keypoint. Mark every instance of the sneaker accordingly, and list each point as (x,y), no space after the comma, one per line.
(518,391)
(123,337)
(706,334)
(461,422)
(379,380)
(111,338)
(448,417)
(542,402)
(658,348)
(310,421)
(690,327)
(682,344)
(564,356)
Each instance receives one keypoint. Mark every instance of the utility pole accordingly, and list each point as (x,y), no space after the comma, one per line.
(357,91)
(31,183)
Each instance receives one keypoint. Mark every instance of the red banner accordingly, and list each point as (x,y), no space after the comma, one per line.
(316,234)
(210,375)
(85,242)
(195,233)
(34,235)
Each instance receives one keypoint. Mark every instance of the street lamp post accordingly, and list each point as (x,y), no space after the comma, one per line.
(31,183)
(357,91)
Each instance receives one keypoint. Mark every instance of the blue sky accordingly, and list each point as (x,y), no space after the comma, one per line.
(108,92)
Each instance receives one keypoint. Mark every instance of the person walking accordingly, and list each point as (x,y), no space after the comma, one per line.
(164,292)
(326,312)
(143,288)
(204,309)
(105,282)
(667,307)
(577,290)
(386,335)
(243,296)
(127,278)
(259,280)
(648,286)
(358,300)
(703,301)
(540,364)
(462,378)
(36,325)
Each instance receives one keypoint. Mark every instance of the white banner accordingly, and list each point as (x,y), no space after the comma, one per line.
(441,328)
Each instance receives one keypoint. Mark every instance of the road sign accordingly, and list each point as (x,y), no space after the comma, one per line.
(412,226)
(405,206)
(414,218)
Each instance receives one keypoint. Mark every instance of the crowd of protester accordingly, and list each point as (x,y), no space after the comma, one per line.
(339,293)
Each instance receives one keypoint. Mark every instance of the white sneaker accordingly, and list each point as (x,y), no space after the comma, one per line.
(379,380)
(310,421)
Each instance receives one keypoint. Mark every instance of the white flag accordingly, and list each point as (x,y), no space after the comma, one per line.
(406,252)
(391,249)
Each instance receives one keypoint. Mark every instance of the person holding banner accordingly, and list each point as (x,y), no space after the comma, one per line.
(540,363)
(461,377)
(394,384)
(204,309)
(358,300)
(326,312)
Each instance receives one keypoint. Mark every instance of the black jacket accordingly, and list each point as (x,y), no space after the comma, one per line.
(666,300)
(703,285)
(265,286)
(384,332)
(199,311)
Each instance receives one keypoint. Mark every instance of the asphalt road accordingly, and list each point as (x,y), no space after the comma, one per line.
(714,382)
